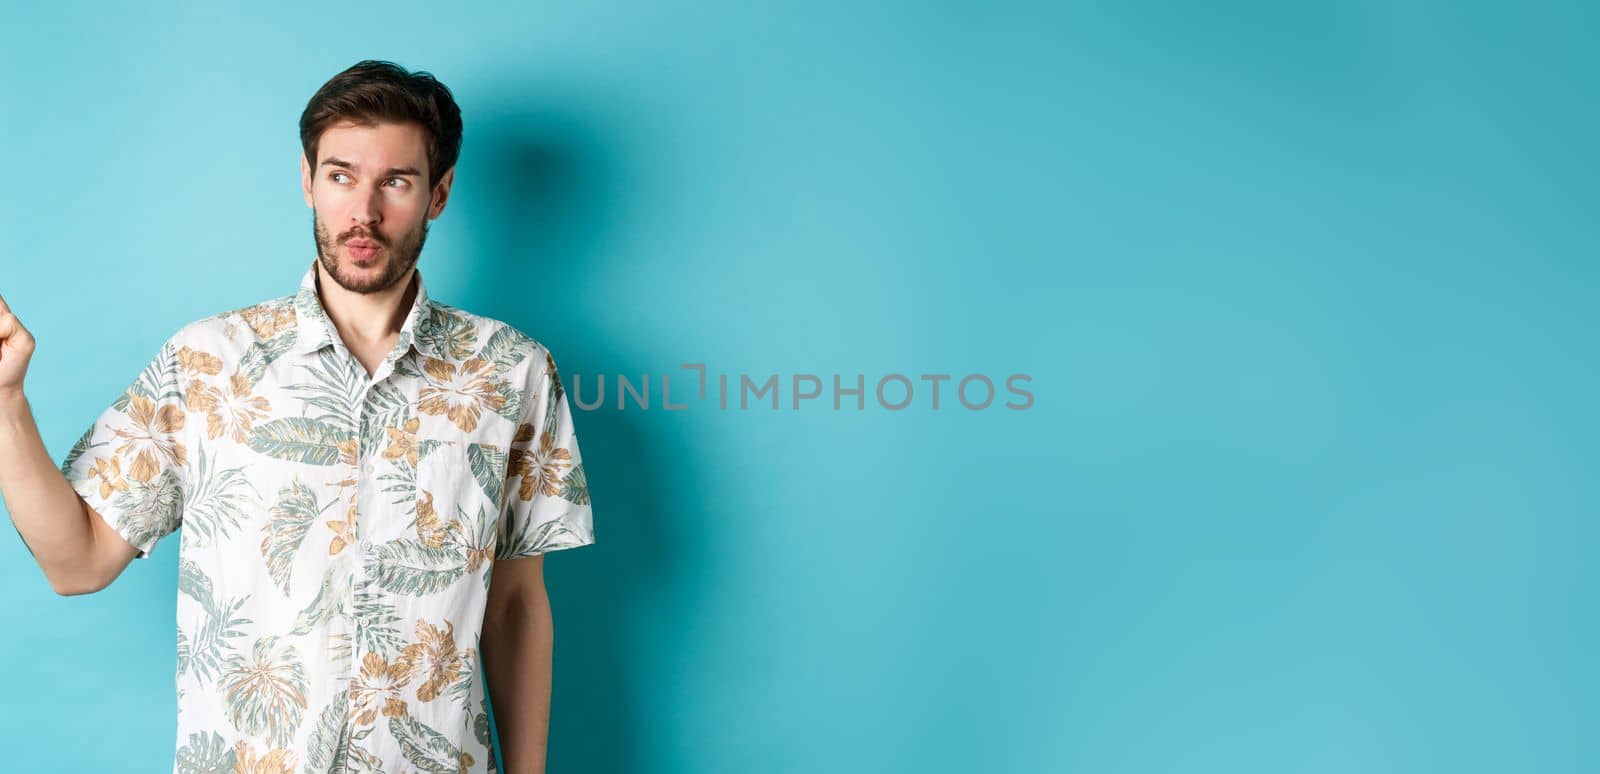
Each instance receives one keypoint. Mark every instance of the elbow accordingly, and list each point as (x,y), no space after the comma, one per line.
(74,585)
(74,591)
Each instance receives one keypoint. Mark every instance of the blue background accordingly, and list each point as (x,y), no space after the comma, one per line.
(1306,291)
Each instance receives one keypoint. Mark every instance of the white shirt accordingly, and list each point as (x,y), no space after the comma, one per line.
(338,530)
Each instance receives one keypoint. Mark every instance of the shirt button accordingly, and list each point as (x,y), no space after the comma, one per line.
(369,467)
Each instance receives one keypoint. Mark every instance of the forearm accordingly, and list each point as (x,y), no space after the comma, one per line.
(517,648)
(48,514)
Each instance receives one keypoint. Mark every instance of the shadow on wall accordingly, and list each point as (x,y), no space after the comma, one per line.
(545,190)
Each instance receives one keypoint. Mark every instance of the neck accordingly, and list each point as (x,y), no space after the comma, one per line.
(366,317)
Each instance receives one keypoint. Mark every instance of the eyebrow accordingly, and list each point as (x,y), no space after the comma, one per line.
(390,172)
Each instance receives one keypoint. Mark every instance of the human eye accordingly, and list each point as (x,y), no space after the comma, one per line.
(336,175)
(402,182)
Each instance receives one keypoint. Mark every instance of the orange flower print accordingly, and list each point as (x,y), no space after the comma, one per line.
(109,471)
(379,688)
(344,531)
(267,319)
(403,441)
(199,362)
(434,655)
(459,393)
(149,439)
(477,553)
(429,530)
(233,410)
(348,448)
(541,466)
(274,761)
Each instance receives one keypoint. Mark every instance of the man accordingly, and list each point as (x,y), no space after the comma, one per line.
(350,464)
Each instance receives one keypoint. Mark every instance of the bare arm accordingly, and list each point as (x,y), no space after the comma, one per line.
(77,550)
(517,640)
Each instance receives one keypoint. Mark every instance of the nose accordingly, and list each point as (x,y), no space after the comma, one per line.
(367,210)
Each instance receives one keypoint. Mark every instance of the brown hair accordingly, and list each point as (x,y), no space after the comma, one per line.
(371,91)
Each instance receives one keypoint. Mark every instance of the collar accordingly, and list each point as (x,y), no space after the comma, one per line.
(313,329)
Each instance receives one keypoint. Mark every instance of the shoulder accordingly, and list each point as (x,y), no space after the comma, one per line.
(465,335)
(259,322)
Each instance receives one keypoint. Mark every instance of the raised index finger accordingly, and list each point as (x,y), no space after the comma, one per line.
(3,307)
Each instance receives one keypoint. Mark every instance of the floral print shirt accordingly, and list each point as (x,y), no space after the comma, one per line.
(339,529)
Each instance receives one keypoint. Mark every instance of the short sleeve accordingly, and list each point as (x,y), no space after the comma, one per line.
(129,464)
(547,491)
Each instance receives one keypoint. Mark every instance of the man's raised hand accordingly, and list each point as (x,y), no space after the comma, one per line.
(16,346)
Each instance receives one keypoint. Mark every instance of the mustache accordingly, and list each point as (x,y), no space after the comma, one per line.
(363,235)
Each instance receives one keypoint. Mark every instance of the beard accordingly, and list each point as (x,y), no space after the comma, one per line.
(398,257)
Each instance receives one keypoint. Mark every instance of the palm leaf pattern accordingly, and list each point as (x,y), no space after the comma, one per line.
(220,499)
(426,748)
(265,691)
(206,753)
(298,439)
(292,517)
(309,576)
(409,568)
(488,468)
(221,621)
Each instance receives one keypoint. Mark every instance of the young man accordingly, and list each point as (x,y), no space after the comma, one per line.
(350,464)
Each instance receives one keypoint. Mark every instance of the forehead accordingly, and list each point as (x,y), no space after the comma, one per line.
(378,146)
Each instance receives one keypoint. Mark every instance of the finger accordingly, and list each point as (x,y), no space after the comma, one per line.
(3,308)
(11,328)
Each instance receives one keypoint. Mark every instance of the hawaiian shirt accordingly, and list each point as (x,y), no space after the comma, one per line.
(338,529)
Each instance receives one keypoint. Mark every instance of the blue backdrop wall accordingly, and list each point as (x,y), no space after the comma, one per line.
(1305,296)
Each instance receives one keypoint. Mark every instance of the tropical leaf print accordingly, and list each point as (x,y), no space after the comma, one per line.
(323,749)
(194,582)
(329,601)
(156,383)
(260,356)
(447,333)
(387,409)
(291,521)
(427,749)
(150,509)
(203,653)
(511,411)
(340,528)
(480,724)
(265,692)
(207,648)
(299,439)
(411,568)
(205,753)
(375,615)
(474,537)
(360,760)
(218,501)
(82,447)
(334,384)
(488,465)
(575,487)
(529,540)
(506,347)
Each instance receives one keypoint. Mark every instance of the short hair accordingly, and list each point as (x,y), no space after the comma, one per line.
(371,91)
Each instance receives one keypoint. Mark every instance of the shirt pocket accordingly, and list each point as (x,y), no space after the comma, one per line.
(459,487)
